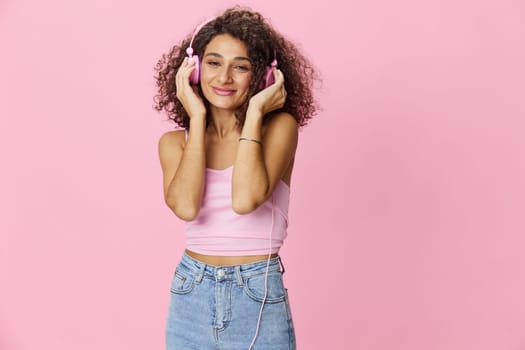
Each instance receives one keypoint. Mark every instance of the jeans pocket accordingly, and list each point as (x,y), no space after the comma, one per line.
(254,287)
(182,282)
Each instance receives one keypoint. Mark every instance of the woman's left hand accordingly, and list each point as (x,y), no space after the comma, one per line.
(270,98)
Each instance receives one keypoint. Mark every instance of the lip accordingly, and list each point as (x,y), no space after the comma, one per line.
(223,92)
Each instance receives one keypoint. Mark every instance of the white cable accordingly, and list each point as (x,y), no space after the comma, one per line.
(265,281)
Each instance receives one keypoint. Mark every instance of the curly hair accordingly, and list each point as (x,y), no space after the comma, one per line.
(263,43)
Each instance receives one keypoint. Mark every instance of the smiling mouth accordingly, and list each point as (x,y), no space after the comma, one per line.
(223,92)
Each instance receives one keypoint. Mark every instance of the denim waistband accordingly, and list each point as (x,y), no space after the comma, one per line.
(229,272)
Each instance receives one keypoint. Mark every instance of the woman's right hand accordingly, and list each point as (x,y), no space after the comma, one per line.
(187,94)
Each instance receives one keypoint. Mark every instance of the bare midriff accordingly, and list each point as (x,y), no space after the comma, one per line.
(228,260)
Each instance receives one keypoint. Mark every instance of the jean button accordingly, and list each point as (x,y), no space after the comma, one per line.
(220,273)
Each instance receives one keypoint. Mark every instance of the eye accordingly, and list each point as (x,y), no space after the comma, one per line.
(213,63)
(242,68)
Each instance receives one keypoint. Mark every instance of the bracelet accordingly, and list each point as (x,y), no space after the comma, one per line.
(244,138)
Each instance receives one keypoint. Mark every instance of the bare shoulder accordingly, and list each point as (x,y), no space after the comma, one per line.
(171,145)
(172,138)
(283,124)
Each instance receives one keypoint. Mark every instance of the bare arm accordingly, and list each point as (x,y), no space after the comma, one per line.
(183,172)
(258,169)
(183,166)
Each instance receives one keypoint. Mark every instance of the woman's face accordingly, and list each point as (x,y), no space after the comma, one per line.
(226,72)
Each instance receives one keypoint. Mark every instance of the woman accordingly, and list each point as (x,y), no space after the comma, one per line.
(241,91)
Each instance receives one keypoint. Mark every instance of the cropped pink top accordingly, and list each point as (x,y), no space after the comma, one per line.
(218,230)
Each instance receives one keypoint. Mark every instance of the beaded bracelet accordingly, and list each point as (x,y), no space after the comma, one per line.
(244,138)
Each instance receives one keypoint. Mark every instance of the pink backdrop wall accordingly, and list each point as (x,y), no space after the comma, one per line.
(406,220)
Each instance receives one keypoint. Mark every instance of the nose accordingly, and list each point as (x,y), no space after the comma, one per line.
(224,76)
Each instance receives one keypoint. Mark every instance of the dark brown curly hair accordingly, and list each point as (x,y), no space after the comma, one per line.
(262,42)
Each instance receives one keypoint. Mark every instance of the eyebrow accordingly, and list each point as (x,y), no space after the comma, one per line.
(241,58)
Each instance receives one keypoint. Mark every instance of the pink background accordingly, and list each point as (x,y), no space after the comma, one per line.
(406,218)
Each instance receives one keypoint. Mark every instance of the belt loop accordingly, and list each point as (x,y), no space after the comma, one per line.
(281,263)
(238,275)
(200,273)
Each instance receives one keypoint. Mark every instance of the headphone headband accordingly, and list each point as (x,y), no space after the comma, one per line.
(189,50)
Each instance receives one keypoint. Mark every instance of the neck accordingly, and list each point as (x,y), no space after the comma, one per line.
(223,123)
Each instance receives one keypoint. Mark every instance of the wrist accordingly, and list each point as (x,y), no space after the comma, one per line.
(198,120)
(254,112)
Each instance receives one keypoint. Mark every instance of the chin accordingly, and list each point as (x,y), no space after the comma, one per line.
(223,104)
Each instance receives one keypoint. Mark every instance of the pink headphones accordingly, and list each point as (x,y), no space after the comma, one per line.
(269,79)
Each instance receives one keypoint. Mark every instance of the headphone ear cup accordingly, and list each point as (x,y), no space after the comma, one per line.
(196,74)
(269,78)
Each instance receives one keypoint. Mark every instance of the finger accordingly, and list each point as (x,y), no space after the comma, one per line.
(180,72)
(279,76)
(183,75)
(187,65)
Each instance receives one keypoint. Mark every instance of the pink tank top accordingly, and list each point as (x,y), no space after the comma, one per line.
(218,230)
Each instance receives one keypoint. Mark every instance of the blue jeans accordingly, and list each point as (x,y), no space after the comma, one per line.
(217,307)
